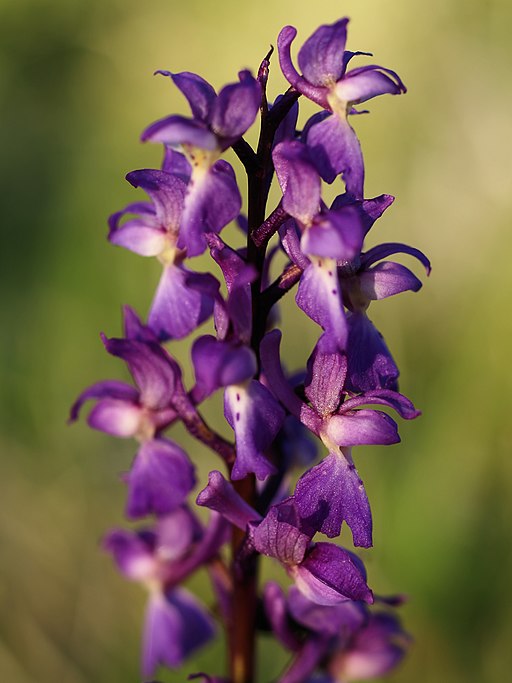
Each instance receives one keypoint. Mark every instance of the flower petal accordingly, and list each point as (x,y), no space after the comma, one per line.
(403,406)
(282,534)
(366,82)
(370,364)
(284,41)
(321,57)
(166,191)
(330,575)
(335,235)
(375,650)
(212,202)
(220,496)
(178,130)
(133,553)
(176,164)
(109,388)
(235,108)
(387,279)
(137,237)
(153,370)
(199,93)
(276,609)
(382,251)
(256,417)
(336,620)
(175,625)
(331,493)
(327,369)
(160,479)
(298,179)
(220,364)
(362,428)
(182,302)
(115,417)
(319,297)
(336,149)
(274,375)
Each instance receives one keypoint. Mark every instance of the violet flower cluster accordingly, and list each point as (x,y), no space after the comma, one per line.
(328,618)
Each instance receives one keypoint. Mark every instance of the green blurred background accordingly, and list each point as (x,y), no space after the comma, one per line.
(76,89)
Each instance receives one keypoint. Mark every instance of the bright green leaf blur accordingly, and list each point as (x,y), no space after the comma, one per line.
(76,90)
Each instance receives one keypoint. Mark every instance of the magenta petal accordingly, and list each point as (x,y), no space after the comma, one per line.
(144,209)
(133,554)
(298,179)
(178,130)
(387,279)
(256,417)
(212,202)
(312,652)
(318,296)
(221,497)
(370,364)
(139,238)
(362,427)
(375,650)
(336,149)
(175,625)
(331,493)
(330,575)
(220,364)
(366,82)
(335,234)
(166,191)
(180,303)
(199,93)
(403,406)
(276,609)
(153,370)
(287,127)
(176,533)
(109,388)
(324,383)
(321,57)
(160,479)
(115,417)
(290,240)
(337,620)
(135,329)
(176,164)
(282,534)
(284,41)
(280,386)
(369,210)
(382,251)
(235,108)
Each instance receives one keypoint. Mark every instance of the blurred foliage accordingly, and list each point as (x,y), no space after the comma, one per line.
(75,91)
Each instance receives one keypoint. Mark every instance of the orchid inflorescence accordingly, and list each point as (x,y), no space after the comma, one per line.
(328,619)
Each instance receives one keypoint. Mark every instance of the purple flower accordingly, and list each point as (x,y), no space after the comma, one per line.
(213,199)
(326,573)
(161,475)
(176,624)
(183,300)
(325,80)
(348,641)
(370,364)
(332,491)
(327,237)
